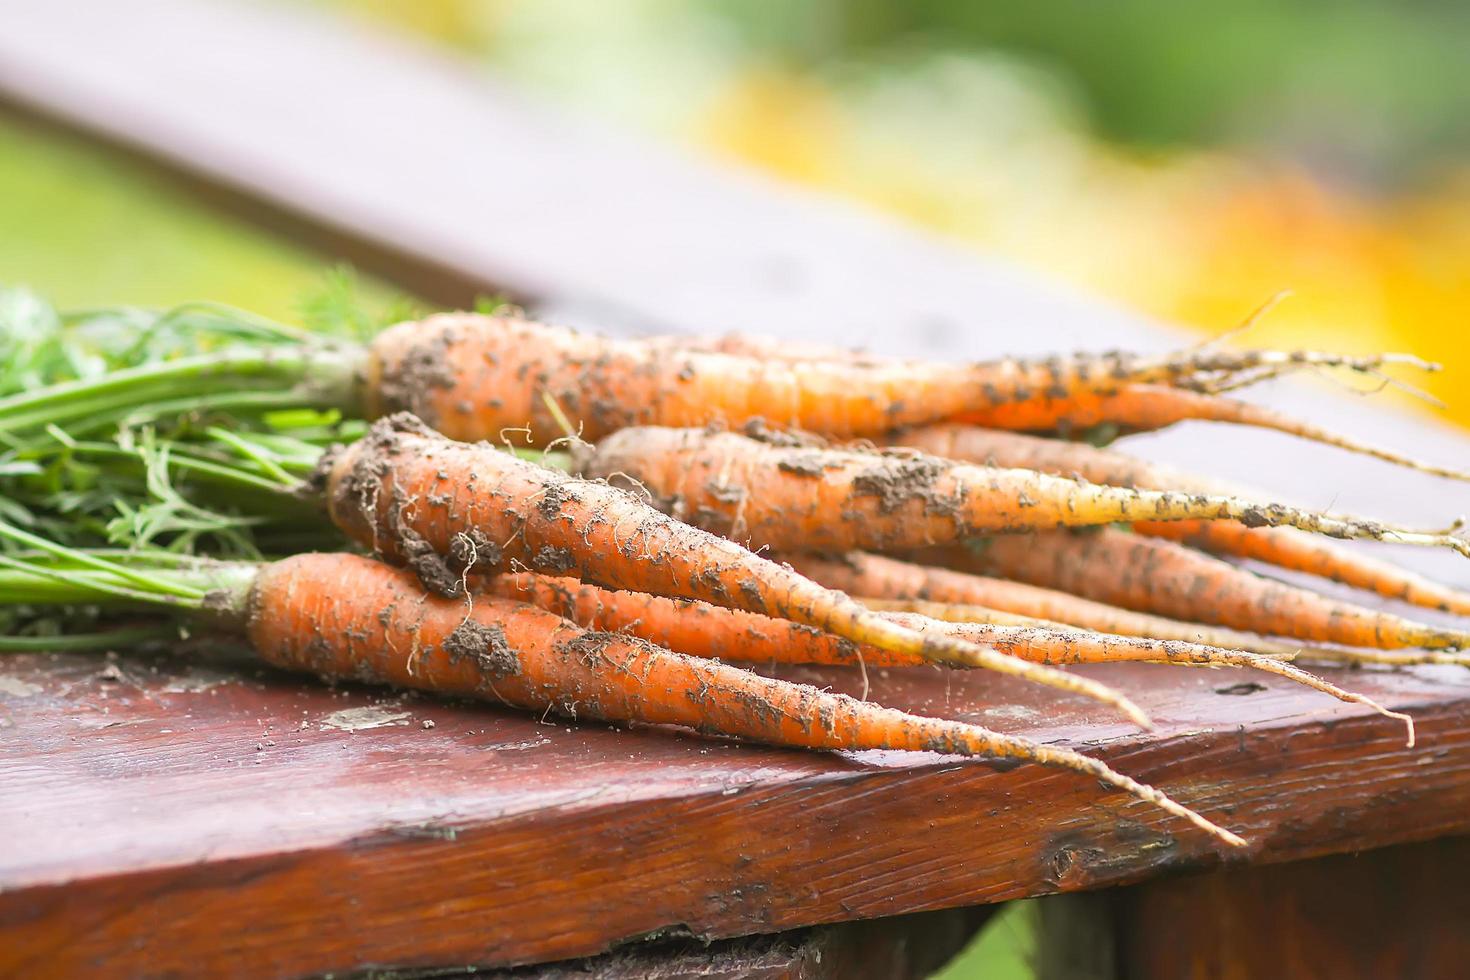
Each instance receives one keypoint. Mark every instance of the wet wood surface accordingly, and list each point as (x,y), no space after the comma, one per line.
(169,814)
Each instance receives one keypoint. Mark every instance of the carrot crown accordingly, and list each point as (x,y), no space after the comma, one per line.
(91,370)
(40,577)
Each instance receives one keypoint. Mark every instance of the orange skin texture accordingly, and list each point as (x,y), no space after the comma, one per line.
(475,376)
(702,630)
(349,617)
(688,626)
(1286,548)
(1136,407)
(1166,579)
(1282,547)
(801,497)
(535,518)
(954,595)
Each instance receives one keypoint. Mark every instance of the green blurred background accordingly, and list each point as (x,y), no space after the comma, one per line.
(1188,159)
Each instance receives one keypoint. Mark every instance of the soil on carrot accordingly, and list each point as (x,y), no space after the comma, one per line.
(897,479)
(486,646)
(424,366)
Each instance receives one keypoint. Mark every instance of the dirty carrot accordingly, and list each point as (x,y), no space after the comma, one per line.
(776,492)
(1282,547)
(940,593)
(471,376)
(478,376)
(702,630)
(1148,407)
(348,617)
(1167,579)
(448,509)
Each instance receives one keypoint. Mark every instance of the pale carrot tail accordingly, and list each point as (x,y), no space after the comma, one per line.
(1147,407)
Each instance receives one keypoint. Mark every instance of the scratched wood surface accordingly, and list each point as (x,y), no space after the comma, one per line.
(196,814)
(151,808)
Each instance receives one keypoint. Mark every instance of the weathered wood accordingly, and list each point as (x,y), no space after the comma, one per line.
(146,817)
(896,948)
(1396,912)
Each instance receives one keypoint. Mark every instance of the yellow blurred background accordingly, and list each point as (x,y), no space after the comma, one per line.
(1195,206)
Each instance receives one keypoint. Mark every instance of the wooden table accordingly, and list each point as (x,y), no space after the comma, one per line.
(199,814)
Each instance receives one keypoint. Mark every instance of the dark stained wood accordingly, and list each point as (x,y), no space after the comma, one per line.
(1397,912)
(896,948)
(147,817)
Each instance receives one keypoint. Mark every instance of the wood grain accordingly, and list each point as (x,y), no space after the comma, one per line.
(205,814)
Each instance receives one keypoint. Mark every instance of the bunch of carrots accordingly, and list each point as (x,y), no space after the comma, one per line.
(555,520)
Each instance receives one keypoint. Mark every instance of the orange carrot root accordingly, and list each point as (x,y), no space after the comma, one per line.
(1163,578)
(348,617)
(1282,547)
(941,593)
(1147,407)
(476,377)
(802,497)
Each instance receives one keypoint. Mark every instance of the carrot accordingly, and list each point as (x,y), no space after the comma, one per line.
(473,376)
(1282,547)
(448,509)
(801,497)
(702,630)
(1018,450)
(349,617)
(941,593)
(484,376)
(1092,617)
(1166,579)
(1147,407)
(687,625)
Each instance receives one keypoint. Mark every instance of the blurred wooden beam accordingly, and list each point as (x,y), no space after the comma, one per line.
(431,173)
(1395,912)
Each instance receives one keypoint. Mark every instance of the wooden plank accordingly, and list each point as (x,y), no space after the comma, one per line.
(146,817)
(1395,912)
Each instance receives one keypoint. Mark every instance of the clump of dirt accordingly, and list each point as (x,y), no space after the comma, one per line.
(486,646)
(404,385)
(896,481)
